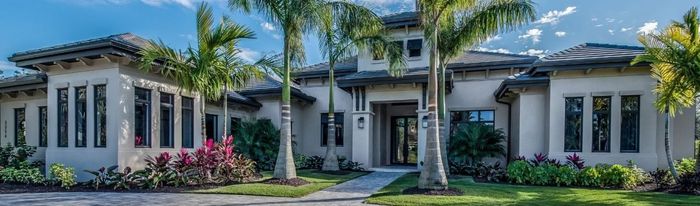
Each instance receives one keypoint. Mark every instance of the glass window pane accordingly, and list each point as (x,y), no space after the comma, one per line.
(601,124)
(100,115)
(20,127)
(486,116)
(187,123)
(142,113)
(629,127)
(62,117)
(80,117)
(473,116)
(43,127)
(572,125)
(166,120)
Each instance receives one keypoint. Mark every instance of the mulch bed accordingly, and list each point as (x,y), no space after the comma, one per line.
(447,192)
(19,188)
(338,172)
(289,182)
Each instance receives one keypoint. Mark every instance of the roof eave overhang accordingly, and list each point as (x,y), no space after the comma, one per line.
(323,73)
(512,84)
(27,60)
(277,91)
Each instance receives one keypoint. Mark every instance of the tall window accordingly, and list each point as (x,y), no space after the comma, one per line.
(43,127)
(20,127)
(100,105)
(463,118)
(62,117)
(573,130)
(80,116)
(338,117)
(166,120)
(235,123)
(187,122)
(601,124)
(414,47)
(142,117)
(211,123)
(629,127)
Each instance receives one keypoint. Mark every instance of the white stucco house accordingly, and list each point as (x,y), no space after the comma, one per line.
(90,106)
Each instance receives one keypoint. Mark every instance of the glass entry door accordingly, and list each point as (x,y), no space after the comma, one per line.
(404,140)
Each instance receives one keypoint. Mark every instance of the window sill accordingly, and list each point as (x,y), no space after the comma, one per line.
(143,147)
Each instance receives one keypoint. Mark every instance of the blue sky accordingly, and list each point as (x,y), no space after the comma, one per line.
(560,24)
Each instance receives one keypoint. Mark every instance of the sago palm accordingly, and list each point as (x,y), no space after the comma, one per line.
(674,55)
(205,69)
(474,142)
(346,28)
(471,27)
(434,14)
(295,18)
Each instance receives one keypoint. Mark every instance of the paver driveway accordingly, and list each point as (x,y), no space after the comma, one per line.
(352,192)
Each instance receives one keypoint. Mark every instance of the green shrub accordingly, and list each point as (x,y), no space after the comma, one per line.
(519,171)
(62,174)
(589,177)
(685,166)
(257,140)
(11,156)
(24,174)
(474,142)
(543,174)
(565,176)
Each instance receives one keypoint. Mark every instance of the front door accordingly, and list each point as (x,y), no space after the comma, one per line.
(404,140)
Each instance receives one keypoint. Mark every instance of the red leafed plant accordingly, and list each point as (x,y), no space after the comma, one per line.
(540,158)
(138,140)
(183,166)
(575,160)
(159,170)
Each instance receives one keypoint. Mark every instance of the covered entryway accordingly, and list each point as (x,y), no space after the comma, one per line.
(404,140)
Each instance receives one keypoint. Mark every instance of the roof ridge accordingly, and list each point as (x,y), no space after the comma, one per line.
(616,46)
(101,38)
(504,54)
(396,14)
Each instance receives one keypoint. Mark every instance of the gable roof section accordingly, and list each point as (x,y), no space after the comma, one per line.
(587,56)
(238,98)
(271,85)
(125,44)
(23,82)
(481,60)
(363,78)
(343,67)
(520,80)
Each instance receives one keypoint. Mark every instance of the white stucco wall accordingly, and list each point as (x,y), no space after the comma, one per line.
(31,106)
(366,63)
(309,135)
(530,123)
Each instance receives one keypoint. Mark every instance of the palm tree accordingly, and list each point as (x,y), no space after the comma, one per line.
(674,55)
(207,68)
(433,15)
(346,28)
(294,18)
(472,28)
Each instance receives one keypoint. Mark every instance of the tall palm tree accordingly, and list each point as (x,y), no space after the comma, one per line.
(294,18)
(470,28)
(433,15)
(674,55)
(206,68)
(346,28)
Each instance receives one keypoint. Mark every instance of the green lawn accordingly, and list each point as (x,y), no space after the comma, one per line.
(318,181)
(504,194)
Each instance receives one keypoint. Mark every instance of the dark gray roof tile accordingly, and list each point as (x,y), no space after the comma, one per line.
(589,53)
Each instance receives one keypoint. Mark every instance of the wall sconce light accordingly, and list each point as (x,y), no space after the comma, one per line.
(361,123)
(424,122)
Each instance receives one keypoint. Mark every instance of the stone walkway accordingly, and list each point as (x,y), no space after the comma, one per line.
(352,192)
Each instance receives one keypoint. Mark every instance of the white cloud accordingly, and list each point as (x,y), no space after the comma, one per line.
(493,38)
(610,20)
(190,4)
(649,27)
(594,19)
(598,25)
(248,54)
(625,29)
(499,50)
(533,34)
(534,52)
(560,33)
(552,17)
(611,32)
(277,36)
(267,26)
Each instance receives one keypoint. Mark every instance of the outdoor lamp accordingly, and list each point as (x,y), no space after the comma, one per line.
(424,122)
(361,123)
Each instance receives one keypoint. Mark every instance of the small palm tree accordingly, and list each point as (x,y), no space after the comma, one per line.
(474,142)
(472,28)
(433,15)
(674,55)
(207,68)
(295,18)
(346,28)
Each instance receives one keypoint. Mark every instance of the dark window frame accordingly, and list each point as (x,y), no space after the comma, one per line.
(98,125)
(597,114)
(62,117)
(80,104)
(418,50)
(170,106)
(185,135)
(43,126)
(339,123)
(233,125)
(567,114)
(147,103)
(636,111)
(215,128)
(17,124)
(456,118)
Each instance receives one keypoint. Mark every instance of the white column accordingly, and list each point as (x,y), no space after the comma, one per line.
(362,137)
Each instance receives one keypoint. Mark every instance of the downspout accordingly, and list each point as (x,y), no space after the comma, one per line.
(508,155)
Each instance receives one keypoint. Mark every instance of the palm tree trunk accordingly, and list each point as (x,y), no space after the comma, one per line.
(204,118)
(667,145)
(441,118)
(432,175)
(284,167)
(330,163)
(225,110)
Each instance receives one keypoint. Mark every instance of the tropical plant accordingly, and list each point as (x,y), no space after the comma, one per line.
(474,142)
(540,158)
(22,174)
(183,167)
(474,23)
(294,18)
(258,140)
(11,156)
(674,55)
(685,166)
(346,28)
(63,175)
(576,161)
(589,176)
(433,14)
(518,171)
(158,171)
(211,66)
